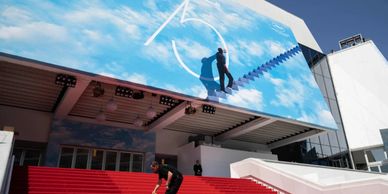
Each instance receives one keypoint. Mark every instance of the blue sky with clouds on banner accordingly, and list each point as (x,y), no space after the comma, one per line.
(115,38)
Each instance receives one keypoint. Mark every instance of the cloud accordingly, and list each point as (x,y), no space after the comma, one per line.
(136,78)
(160,52)
(193,49)
(173,88)
(198,91)
(248,98)
(241,52)
(34,32)
(12,15)
(275,48)
(289,93)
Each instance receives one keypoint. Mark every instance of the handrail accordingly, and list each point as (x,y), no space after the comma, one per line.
(6,160)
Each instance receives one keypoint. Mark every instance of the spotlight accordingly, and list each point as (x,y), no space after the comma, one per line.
(111,105)
(123,92)
(65,80)
(151,112)
(138,122)
(101,117)
(98,90)
(190,110)
(166,100)
(208,109)
(138,95)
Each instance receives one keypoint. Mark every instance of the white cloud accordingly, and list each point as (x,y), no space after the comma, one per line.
(160,52)
(14,15)
(248,98)
(35,31)
(242,50)
(193,49)
(173,88)
(136,78)
(275,48)
(199,91)
(108,74)
(289,93)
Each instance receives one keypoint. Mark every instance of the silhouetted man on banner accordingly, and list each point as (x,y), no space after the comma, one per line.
(222,70)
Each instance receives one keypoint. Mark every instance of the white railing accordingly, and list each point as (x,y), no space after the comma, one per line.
(302,178)
(6,160)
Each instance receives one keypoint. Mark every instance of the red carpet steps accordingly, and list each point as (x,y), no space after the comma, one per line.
(46,180)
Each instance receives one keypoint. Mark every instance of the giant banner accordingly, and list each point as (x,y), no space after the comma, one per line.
(216,50)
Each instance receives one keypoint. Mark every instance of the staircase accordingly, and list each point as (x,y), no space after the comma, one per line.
(47,180)
(255,73)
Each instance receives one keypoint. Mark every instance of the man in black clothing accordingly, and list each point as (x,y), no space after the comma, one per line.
(222,70)
(197,168)
(172,176)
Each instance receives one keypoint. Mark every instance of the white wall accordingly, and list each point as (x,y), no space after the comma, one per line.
(297,25)
(168,141)
(6,144)
(360,77)
(215,161)
(187,155)
(29,124)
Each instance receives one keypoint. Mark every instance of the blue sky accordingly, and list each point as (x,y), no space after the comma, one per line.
(333,20)
(169,45)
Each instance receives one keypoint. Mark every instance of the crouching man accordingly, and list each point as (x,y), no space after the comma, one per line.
(172,176)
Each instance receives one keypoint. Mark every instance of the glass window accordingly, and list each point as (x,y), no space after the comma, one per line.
(110,161)
(324,139)
(81,160)
(341,138)
(334,110)
(335,149)
(18,154)
(321,84)
(97,159)
(314,140)
(31,158)
(137,164)
(326,151)
(125,160)
(317,69)
(384,168)
(329,88)
(375,155)
(66,157)
(374,169)
(325,68)
(333,138)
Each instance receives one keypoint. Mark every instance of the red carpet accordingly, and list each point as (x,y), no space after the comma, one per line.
(46,180)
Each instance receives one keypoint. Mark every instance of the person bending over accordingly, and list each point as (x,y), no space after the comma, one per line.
(172,176)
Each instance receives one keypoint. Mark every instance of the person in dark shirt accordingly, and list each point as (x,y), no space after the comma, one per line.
(172,176)
(222,70)
(197,168)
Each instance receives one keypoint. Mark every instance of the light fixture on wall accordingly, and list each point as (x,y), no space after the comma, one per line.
(138,122)
(101,116)
(111,105)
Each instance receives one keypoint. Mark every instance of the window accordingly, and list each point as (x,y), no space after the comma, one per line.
(27,157)
(99,159)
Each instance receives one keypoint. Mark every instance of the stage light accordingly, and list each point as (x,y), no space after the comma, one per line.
(111,105)
(101,116)
(151,112)
(166,100)
(98,90)
(190,110)
(123,92)
(208,109)
(138,122)
(65,80)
